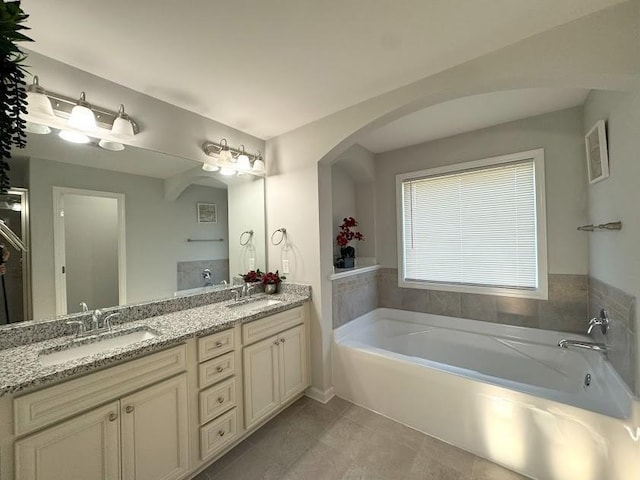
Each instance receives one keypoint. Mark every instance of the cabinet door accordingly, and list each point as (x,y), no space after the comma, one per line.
(155,432)
(261,390)
(86,447)
(293,365)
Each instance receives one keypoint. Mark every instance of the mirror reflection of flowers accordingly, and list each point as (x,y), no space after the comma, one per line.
(252,276)
(271,278)
(348,232)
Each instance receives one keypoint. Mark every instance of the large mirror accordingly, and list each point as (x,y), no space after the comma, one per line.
(107,228)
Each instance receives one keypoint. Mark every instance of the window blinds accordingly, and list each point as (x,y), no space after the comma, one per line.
(474,227)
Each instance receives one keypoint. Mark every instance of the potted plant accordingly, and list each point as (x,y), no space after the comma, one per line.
(13,97)
(347,233)
(252,276)
(271,281)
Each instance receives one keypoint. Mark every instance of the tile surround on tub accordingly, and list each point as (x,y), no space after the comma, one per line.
(190,273)
(621,337)
(354,296)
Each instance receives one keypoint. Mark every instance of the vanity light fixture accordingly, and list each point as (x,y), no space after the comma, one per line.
(77,120)
(242,162)
(122,127)
(39,108)
(232,161)
(82,117)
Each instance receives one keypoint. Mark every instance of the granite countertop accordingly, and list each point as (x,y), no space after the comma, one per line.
(21,369)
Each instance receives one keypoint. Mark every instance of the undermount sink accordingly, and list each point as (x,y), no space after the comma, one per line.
(100,345)
(254,304)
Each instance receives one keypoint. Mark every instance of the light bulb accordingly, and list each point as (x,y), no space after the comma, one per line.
(209,167)
(73,136)
(37,128)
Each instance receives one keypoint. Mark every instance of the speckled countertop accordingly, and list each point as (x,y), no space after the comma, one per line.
(21,369)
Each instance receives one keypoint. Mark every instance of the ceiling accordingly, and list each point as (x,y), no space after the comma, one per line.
(267,67)
(470,113)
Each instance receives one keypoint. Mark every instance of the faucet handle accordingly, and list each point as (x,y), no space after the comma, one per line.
(602,320)
(106,323)
(80,326)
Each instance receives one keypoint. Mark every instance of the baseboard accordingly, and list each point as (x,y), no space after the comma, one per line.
(319,395)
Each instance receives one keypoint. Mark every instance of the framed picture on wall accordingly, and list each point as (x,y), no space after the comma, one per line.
(207,213)
(597,155)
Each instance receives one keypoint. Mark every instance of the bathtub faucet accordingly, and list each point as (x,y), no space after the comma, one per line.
(597,347)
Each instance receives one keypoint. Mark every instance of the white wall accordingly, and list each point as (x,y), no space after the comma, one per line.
(91,251)
(614,256)
(156,229)
(559,133)
(343,190)
(246,212)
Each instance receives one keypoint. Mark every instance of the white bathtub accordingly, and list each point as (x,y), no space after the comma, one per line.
(508,394)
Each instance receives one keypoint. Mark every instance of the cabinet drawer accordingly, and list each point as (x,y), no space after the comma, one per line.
(216,435)
(44,407)
(217,369)
(265,327)
(215,345)
(217,399)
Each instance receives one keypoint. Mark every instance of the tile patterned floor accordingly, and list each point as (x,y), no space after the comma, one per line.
(341,441)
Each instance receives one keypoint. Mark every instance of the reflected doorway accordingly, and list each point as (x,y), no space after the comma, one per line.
(15,294)
(89,244)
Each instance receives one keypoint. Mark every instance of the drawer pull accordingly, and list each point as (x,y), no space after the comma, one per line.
(129,409)
(221,433)
(282,340)
(277,342)
(220,369)
(113,417)
(220,399)
(218,344)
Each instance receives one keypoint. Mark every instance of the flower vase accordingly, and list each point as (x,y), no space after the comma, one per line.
(270,288)
(348,256)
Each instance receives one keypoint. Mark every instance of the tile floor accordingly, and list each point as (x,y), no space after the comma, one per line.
(340,441)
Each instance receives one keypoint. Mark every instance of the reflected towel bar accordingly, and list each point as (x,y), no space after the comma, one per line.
(205,239)
(602,226)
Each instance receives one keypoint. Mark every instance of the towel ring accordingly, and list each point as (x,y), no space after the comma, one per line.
(283,232)
(247,232)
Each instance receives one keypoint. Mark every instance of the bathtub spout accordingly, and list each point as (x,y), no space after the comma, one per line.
(598,347)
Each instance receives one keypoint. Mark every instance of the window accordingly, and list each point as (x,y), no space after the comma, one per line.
(476,227)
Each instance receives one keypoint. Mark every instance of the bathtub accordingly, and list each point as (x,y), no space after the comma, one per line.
(505,393)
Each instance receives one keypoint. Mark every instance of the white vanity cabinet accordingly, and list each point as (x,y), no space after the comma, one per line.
(136,436)
(275,368)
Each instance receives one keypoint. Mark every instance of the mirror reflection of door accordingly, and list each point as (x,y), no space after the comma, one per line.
(15,294)
(89,245)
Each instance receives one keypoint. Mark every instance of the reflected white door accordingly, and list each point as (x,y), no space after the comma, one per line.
(89,249)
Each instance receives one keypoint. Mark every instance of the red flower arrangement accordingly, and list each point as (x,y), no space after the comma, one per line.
(272,278)
(348,232)
(252,276)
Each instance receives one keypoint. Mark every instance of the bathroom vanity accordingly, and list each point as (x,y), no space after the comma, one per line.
(161,408)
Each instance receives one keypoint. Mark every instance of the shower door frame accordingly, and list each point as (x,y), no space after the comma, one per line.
(59,244)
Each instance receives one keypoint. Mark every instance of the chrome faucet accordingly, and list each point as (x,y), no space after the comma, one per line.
(98,324)
(602,321)
(597,347)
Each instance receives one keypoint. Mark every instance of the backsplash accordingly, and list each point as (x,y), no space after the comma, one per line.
(190,273)
(565,310)
(621,337)
(36,331)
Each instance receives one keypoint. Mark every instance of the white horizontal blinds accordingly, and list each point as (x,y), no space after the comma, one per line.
(475,227)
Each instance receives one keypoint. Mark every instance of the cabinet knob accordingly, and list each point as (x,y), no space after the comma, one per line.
(220,399)
(218,344)
(220,369)
(221,433)
(277,342)
(282,340)
(113,417)
(129,409)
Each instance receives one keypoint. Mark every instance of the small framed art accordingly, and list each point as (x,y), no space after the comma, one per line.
(207,213)
(597,155)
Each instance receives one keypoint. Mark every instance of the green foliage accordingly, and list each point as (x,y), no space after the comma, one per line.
(13,97)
